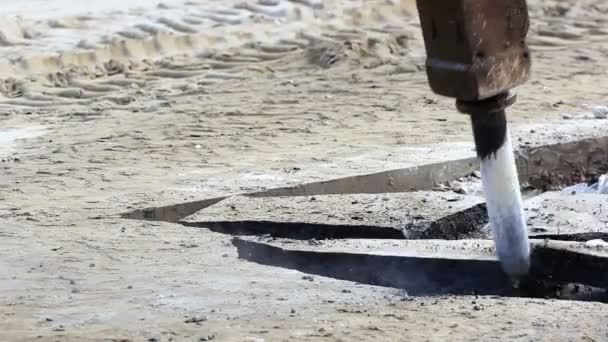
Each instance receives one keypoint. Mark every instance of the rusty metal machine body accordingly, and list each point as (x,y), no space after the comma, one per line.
(477,53)
(475,49)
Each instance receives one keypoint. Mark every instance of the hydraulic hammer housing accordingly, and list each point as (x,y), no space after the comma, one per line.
(476,49)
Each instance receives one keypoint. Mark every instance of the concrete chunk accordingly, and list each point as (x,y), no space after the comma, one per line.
(562,216)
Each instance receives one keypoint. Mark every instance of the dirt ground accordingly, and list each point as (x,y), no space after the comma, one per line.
(103,114)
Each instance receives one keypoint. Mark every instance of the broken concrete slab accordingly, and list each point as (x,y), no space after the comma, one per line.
(580,217)
(412,215)
(458,267)
(435,267)
(549,156)
(575,262)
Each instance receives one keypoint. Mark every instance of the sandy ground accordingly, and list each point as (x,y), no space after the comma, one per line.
(104,111)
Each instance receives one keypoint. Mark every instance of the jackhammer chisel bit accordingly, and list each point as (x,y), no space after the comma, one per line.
(477,53)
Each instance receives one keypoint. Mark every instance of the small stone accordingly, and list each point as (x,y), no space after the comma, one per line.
(196,320)
(477,174)
(567,117)
(600,112)
(457,187)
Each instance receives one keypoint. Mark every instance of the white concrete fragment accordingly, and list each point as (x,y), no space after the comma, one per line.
(600,112)
(597,243)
